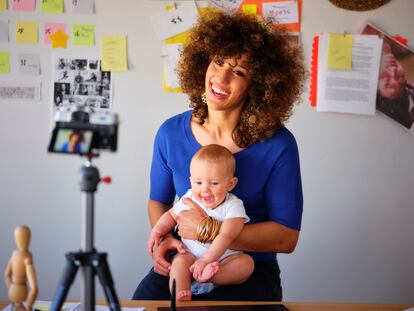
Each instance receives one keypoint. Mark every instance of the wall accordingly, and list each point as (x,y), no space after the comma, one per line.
(356,242)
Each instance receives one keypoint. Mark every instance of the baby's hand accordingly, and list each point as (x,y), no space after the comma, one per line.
(154,240)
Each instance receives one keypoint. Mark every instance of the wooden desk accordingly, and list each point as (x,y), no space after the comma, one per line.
(151,305)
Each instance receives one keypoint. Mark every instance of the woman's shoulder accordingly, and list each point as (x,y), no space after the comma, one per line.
(175,122)
(282,138)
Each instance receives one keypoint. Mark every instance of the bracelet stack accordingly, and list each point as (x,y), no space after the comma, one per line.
(208,229)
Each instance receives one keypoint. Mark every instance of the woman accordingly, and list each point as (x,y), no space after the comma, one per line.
(242,79)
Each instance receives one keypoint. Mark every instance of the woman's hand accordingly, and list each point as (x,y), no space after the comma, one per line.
(169,243)
(189,220)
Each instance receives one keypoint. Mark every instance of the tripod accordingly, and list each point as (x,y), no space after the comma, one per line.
(88,258)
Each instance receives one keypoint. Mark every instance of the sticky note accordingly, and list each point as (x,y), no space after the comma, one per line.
(113,53)
(4,31)
(3,5)
(29,64)
(4,62)
(249,9)
(52,6)
(26,32)
(51,28)
(81,6)
(340,51)
(23,5)
(83,34)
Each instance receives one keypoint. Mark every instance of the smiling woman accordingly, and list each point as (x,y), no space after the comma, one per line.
(243,79)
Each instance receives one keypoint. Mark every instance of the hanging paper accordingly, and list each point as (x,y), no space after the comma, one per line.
(114,53)
(3,5)
(230,6)
(172,22)
(23,5)
(280,13)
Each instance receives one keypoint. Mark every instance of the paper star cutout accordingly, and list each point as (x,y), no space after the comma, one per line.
(59,39)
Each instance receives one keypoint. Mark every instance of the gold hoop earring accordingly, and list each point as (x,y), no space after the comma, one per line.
(204,98)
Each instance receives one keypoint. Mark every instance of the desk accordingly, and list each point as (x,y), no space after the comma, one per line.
(151,305)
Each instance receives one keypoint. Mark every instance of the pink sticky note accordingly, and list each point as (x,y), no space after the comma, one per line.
(51,28)
(23,5)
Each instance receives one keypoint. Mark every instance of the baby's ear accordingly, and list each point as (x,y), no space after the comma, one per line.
(232,183)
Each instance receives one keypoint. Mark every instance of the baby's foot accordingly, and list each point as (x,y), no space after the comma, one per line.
(183,295)
(209,272)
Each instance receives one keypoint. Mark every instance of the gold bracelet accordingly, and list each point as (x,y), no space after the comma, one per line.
(208,229)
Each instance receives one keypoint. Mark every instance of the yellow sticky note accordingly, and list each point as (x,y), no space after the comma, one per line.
(340,51)
(3,5)
(249,9)
(113,53)
(4,62)
(52,6)
(26,32)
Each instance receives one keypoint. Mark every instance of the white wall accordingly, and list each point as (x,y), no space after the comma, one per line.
(357,234)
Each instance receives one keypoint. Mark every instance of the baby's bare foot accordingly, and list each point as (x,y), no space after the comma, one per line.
(183,295)
(209,272)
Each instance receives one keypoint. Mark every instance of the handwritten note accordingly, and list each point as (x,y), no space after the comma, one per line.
(52,6)
(4,62)
(27,32)
(23,5)
(230,6)
(171,53)
(51,28)
(340,51)
(172,22)
(4,31)
(3,5)
(29,64)
(283,12)
(83,34)
(113,53)
(81,6)
(249,9)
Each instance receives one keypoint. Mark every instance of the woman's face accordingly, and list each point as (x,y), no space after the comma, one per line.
(392,77)
(227,82)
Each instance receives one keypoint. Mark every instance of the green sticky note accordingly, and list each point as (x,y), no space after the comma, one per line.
(83,34)
(249,9)
(4,62)
(340,51)
(52,6)
(3,5)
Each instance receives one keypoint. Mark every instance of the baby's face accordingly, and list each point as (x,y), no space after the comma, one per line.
(210,182)
(392,77)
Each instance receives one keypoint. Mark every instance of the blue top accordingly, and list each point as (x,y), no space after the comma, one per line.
(268,172)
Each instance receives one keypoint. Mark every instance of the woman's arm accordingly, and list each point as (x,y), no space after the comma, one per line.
(169,243)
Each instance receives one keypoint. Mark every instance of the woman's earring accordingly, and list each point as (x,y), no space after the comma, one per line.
(204,98)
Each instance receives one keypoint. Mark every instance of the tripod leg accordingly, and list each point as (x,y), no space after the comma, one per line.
(66,281)
(107,283)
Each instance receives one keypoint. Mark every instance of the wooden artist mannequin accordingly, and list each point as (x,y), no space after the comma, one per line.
(20,275)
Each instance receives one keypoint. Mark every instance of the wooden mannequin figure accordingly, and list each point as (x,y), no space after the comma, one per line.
(20,274)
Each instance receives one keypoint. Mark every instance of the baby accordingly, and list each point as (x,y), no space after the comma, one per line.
(209,264)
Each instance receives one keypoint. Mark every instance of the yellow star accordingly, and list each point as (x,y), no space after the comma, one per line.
(59,39)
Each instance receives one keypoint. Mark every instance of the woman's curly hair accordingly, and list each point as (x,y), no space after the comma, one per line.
(275,66)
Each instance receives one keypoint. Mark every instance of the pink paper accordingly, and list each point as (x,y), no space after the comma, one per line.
(23,5)
(51,28)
